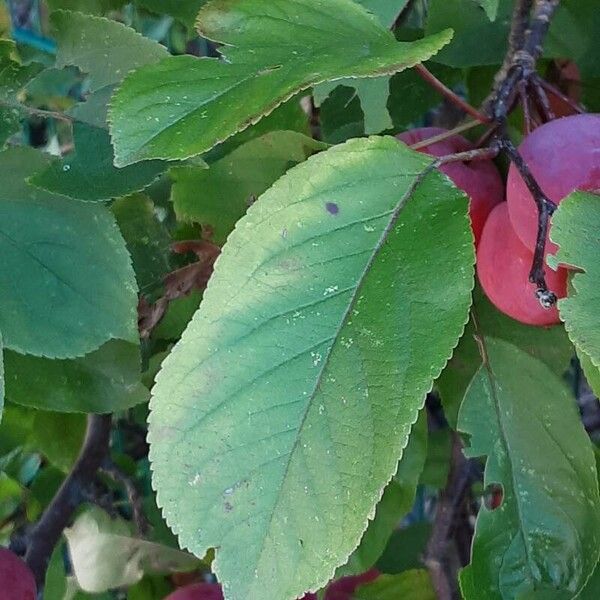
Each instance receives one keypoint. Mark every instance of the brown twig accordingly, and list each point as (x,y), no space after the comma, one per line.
(449,503)
(552,89)
(454,98)
(58,514)
(445,135)
(133,496)
(37,112)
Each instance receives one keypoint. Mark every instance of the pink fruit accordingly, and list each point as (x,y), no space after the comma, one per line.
(479,179)
(563,155)
(16,579)
(503,265)
(343,588)
(197,591)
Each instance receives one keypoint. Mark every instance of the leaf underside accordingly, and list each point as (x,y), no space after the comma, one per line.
(281,414)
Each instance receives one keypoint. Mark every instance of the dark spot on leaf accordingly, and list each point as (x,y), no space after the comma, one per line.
(228,506)
(332,208)
(493,496)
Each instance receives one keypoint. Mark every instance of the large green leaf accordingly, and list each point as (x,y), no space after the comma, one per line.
(410,585)
(66,282)
(219,196)
(575,228)
(103,381)
(281,414)
(396,502)
(551,345)
(184,105)
(544,540)
(104,49)
(89,173)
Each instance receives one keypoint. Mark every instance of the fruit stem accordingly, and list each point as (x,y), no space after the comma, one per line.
(545,208)
(445,91)
(548,87)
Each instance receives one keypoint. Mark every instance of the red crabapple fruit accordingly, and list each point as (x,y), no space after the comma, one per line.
(197,591)
(503,265)
(563,155)
(16,579)
(479,179)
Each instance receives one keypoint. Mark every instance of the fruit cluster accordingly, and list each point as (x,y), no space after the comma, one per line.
(563,155)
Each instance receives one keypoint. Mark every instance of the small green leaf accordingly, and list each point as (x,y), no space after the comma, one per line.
(396,502)
(104,49)
(103,381)
(280,416)
(66,281)
(410,585)
(94,110)
(184,105)
(89,174)
(544,539)
(93,7)
(58,436)
(575,228)
(147,239)
(490,7)
(219,196)
(105,554)
(373,94)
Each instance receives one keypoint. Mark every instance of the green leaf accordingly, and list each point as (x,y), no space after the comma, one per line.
(13,78)
(470,25)
(89,174)
(575,34)
(551,345)
(544,540)
(591,372)
(184,105)
(103,381)
(575,229)
(94,7)
(281,414)
(341,117)
(183,10)
(104,49)
(1,378)
(410,585)
(386,11)
(490,7)
(373,95)
(94,110)
(396,502)
(105,554)
(58,436)
(219,196)
(405,549)
(147,239)
(66,282)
